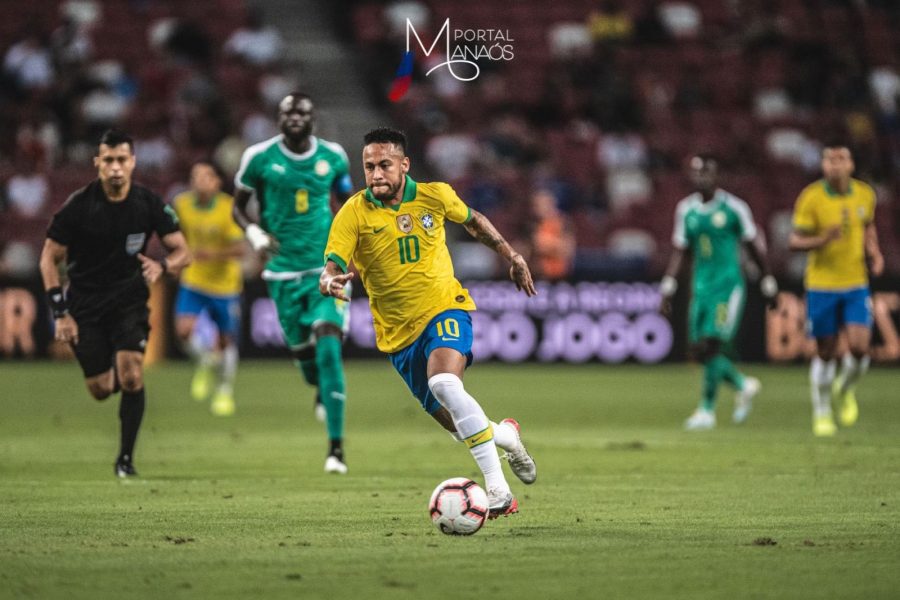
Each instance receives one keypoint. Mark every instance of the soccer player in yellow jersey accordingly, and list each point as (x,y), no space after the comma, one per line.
(212,283)
(394,232)
(834,220)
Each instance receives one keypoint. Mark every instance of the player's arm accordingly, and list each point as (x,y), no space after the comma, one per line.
(342,241)
(333,279)
(681,253)
(804,240)
(873,251)
(768,285)
(259,239)
(480,228)
(52,255)
(179,257)
(669,283)
(234,249)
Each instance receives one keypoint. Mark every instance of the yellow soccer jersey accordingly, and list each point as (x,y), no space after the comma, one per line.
(210,228)
(402,257)
(839,264)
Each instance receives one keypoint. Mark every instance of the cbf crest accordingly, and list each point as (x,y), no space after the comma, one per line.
(405,223)
(427,221)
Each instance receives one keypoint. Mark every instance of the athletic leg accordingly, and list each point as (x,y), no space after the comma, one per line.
(857,316)
(226,314)
(822,322)
(131,407)
(188,306)
(332,385)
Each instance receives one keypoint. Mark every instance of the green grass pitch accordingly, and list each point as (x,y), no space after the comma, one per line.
(626,504)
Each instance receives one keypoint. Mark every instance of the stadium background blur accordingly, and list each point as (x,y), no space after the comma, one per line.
(574,147)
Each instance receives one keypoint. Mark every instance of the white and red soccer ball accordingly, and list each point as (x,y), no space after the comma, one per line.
(458,506)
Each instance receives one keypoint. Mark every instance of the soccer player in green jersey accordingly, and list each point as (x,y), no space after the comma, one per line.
(711,225)
(293,176)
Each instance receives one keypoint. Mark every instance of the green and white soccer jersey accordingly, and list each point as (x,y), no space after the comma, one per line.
(714,231)
(294,194)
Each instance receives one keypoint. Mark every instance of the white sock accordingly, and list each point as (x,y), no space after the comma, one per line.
(821,374)
(194,348)
(472,426)
(852,369)
(229,364)
(505,436)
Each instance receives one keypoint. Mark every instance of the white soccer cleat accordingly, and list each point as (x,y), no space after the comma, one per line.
(501,503)
(743,400)
(520,462)
(701,420)
(335,465)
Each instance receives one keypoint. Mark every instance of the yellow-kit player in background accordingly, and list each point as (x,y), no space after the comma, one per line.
(211,284)
(834,221)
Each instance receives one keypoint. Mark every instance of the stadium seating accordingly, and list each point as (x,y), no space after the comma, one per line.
(746,75)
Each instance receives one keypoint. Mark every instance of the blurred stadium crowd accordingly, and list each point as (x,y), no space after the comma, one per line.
(574,148)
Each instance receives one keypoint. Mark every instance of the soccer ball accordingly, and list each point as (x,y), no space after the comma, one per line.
(458,506)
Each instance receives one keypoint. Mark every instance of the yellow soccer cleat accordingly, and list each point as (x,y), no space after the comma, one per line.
(823,426)
(222,404)
(849,409)
(201,384)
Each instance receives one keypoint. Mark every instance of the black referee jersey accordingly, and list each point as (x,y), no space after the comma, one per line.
(103,239)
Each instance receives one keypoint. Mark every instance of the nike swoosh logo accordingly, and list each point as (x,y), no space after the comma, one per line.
(378,229)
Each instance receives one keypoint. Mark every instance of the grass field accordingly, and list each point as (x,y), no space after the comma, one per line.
(626,504)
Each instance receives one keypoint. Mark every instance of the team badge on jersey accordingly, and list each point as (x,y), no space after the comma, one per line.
(861,212)
(718,219)
(134,242)
(427,221)
(322,168)
(405,223)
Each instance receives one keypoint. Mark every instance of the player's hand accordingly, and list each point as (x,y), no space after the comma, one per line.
(876,264)
(333,285)
(261,240)
(150,269)
(521,275)
(831,234)
(769,288)
(66,329)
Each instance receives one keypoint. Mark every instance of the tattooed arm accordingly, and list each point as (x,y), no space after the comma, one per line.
(480,228)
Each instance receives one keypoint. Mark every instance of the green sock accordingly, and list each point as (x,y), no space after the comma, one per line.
(729,372)
(309,370)
(331,383)
(712,375)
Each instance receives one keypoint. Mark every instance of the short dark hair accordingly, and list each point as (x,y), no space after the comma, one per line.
(833,143)
(212,165)
(386,135)
(114,137)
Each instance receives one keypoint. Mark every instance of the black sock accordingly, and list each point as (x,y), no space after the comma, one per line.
(336,450)
(131,412)
(117,387)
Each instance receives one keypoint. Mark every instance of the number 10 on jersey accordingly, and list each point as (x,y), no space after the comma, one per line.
(409,249)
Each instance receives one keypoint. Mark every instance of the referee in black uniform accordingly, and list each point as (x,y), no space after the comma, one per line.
(101,233)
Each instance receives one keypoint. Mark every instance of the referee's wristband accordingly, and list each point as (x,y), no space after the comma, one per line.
(57,300)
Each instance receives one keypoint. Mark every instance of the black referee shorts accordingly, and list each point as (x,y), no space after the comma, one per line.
(102,334)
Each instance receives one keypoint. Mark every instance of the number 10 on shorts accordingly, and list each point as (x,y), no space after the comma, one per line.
(448,327)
